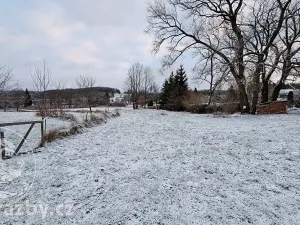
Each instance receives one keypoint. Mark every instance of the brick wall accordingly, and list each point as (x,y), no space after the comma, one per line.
(272,108)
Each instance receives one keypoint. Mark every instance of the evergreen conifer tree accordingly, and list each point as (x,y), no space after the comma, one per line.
(174,90)
(27,101)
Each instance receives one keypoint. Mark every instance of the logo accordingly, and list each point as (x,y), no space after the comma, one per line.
(17,172)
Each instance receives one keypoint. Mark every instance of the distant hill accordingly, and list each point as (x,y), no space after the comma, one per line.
(108,90)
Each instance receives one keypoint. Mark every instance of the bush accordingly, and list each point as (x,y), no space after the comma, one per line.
(117,113)
(199,109)
(96,119)
(50,136)
(117,104)
(228,108)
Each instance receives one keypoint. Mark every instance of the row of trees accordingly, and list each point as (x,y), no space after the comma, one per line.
(7,83)
(247,43)
(15,99)
(139,83)
(55,99)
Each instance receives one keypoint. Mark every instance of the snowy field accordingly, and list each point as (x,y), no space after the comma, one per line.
(15,133)
(156,167)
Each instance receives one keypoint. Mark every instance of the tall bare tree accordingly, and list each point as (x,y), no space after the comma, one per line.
(202,24)
(290,40)
(6,84)
(41,78)
(85,83)
(211,71)
(265,26)
(134,82)
(57,98)
(154,89)
(6,78)
(148,80)
(222,28)
(17,97)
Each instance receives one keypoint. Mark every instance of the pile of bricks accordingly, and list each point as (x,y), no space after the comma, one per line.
(272,108)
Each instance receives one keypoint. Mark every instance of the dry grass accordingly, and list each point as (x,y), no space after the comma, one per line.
(51,135)
(76,128)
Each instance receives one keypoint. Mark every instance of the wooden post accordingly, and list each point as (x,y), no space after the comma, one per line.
(45,121)
(2,144)
(42,133)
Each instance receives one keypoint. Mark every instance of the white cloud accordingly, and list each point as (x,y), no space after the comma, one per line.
(78,37)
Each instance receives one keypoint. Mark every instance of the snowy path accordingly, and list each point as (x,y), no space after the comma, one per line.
(177,168)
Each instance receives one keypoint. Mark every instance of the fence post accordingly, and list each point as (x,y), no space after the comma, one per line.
(42,133)
(45,125)
(2,143)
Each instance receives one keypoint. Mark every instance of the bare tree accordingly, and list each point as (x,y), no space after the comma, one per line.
(148,80)
(17,98)
(154,89)
(41,78)
(265,26)
(290,39)
(6,78)
(57,98)
(6,84)
(211,71)
(85,83)
(186,25)
(222,28)
(134,82)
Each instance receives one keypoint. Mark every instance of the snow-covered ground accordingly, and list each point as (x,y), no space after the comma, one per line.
(16,133)
(157,167)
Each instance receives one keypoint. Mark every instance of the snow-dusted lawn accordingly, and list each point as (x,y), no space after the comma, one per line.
(156,167)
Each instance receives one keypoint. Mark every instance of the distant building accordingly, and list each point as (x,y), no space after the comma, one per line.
(118,98)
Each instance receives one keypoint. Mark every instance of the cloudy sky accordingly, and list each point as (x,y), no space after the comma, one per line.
(76,37)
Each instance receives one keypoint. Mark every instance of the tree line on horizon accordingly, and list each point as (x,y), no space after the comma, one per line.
(45,98)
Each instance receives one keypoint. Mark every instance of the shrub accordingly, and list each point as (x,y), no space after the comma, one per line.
(228,108)
(50,136)
(199,109)
(96,119)
(117,104)
(117,113)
